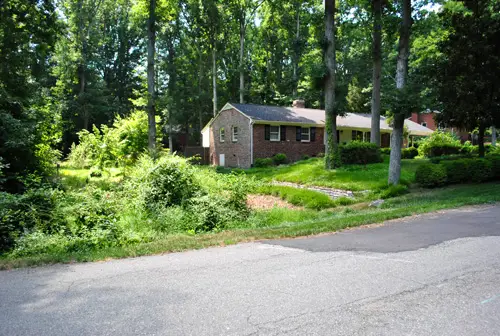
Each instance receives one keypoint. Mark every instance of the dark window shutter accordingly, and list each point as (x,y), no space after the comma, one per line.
(313,133)
(298,133)
(283,133)
(267,132)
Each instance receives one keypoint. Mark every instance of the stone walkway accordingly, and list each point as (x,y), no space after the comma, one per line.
(333,193)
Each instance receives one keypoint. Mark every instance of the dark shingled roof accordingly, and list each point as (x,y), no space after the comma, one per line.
(264,113)
(283,114)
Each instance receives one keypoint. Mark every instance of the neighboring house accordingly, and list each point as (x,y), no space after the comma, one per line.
(241,133)
(427,119)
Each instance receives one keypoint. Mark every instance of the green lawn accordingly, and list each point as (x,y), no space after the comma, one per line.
(352,177)
(285,223)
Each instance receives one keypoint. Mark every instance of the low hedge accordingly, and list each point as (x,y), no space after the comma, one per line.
(431,175)
(263,163)
(409,153)
(459,171)
(358,152)
(385,150)
(443,150)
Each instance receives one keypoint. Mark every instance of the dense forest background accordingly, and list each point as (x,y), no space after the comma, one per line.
(66,65)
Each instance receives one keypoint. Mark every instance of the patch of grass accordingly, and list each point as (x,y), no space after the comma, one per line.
(76,178)
(348,177)
(302,197)
(407,205)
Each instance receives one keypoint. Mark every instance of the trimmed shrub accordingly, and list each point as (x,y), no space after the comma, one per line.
(457,171)
(439,143)
(263,163)
(480,170)
(357,152)
(431,175)
(409,153)
(385,150)
(495,165)
(280,158)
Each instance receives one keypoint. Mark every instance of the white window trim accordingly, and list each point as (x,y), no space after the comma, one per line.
(222,134)
(234,139)
(271,132)
(423,123)
(308,133)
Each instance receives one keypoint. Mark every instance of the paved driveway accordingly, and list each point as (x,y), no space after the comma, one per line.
(437,274)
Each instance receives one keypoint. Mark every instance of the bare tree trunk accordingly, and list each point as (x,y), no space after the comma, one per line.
(170,140)
(331,161)
(401,76)
(242,60)
(214,79)
(296,56)
(151,76)
(377,70)
(493,136)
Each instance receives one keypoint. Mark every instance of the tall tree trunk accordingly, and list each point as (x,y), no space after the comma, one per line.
(242,60)
(377,70)
(151,76)
(493,136)
(401,77)
(480,140)
(214,79)
(331,161)
(297,54)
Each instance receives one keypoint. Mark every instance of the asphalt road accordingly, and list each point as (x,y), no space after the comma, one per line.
(437,274)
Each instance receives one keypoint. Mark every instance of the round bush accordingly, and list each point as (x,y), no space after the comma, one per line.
(170,181)
(358,152)
(409,153)
(495,165)
(263,163)
(431,175)
(280,158)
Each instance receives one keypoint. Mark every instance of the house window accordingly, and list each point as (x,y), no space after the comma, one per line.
(424,124)
(235,134)
(357,135)
(306,134)
(222,134)
(274,132)
(367,136)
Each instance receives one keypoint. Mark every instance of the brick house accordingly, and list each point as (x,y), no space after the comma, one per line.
(427,119)
(241,133)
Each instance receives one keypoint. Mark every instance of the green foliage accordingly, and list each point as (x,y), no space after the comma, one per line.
(262,163)
(457,171)
(302,197)
(385,151)
(280,158)
(169,181)
(393,191)
(439,143)
(409,153)
(358,152)
(480,170)
(120,144)
(431,175)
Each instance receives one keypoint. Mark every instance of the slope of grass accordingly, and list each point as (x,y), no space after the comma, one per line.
(410,204)
(303,197)
(349,177)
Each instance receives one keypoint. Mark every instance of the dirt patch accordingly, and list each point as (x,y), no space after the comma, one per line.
(264,202)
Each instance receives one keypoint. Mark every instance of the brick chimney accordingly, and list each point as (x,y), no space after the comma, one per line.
(299,103)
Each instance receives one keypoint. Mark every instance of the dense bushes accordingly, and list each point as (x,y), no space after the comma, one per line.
(459,171)
(385,151)
(120,144)
(263,163)
(280,158)
(431,175)
(358,152)
(439,143)
(165,195)
(409,153)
